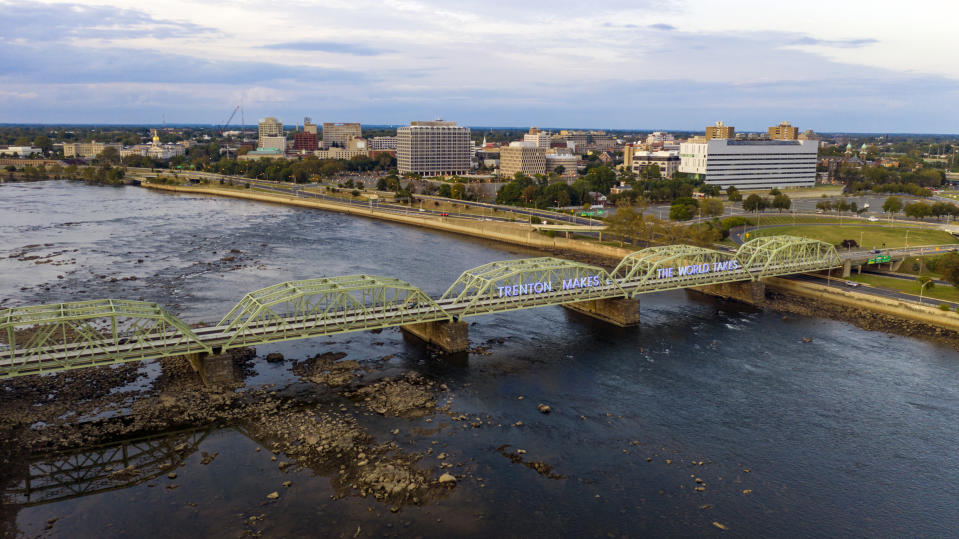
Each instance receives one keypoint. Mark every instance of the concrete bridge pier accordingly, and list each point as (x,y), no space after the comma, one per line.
(214,369)
(450,337)
(746,291)
(621,312)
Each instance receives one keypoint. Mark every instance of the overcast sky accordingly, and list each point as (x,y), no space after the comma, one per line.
(837,65)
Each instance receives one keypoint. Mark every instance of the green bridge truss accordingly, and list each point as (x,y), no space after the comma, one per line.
(80,334)
(531,282)
(50,338)
(314,307)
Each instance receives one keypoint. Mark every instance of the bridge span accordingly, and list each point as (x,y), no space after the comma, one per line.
(49,338)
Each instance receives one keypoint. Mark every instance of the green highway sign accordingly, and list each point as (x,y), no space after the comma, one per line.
(879,259)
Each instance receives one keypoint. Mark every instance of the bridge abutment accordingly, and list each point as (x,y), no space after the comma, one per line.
(450,337)
(746,291)
(622,312)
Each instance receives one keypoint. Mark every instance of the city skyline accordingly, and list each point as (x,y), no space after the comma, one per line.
(637,65)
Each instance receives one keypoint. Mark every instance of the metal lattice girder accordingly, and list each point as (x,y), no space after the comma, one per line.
(298,309)
(79,334)
(768,256)
(676,266)
(531,282)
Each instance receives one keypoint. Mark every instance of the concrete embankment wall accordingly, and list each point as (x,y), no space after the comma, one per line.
(926,314)
(512,233)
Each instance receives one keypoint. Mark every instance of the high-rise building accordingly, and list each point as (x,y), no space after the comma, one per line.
(269,127)
(720,130)
(751,164)
(335,134)
(305,141)
(525,157)
(309,126)
(433,149)
(537,137)
(784,131)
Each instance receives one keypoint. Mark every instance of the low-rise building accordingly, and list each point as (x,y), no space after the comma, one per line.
(568,161)
(20,151)
(751,164)
(667,161)
(272,143)
(537,137)
(383,143)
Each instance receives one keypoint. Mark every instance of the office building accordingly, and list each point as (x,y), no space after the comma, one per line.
(751,164)
(537,137)
(305,141)
(525,157)
(568,161)
(783,131)
(667,161)
(383,143)
(335,134)
(272,143)
(720,131)
(433,149)
(268,127)
(309,126)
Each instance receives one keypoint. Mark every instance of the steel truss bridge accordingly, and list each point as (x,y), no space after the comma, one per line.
(49,338)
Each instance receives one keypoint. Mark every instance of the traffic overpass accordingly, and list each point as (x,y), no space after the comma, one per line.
(49,338)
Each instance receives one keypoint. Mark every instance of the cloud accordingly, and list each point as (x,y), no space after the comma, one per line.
(841,43)
(662,26)
(327,46)
(56,64)
(62,22)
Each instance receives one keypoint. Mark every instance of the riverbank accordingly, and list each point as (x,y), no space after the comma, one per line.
(510,233)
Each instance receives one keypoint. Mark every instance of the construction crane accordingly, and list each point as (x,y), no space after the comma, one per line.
(222,128)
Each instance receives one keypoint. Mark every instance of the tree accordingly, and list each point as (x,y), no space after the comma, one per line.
(824,205)
(918,210)
(948,267)
(683,209)
(755,202)
(782,202)
(560,170)
(710,190)
(43,142)
(711,207)
(109,155)
(892,205)
(733,194)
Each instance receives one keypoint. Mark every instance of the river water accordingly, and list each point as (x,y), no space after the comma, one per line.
(854,433)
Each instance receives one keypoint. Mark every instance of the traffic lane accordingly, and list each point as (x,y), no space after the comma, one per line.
(839,284)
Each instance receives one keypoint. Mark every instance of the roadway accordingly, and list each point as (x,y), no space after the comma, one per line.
(839,283)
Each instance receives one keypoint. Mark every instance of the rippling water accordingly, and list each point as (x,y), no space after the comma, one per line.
(854,433)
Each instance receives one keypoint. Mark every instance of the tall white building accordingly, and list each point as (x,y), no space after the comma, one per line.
(269,131)
(433,149)
(751,164)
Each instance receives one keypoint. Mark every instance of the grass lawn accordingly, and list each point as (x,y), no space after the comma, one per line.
(947,293)
(868,237)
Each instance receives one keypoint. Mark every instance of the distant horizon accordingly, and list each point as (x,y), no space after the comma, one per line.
(474,127)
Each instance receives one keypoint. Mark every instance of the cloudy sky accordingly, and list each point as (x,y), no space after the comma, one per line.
(837,65)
